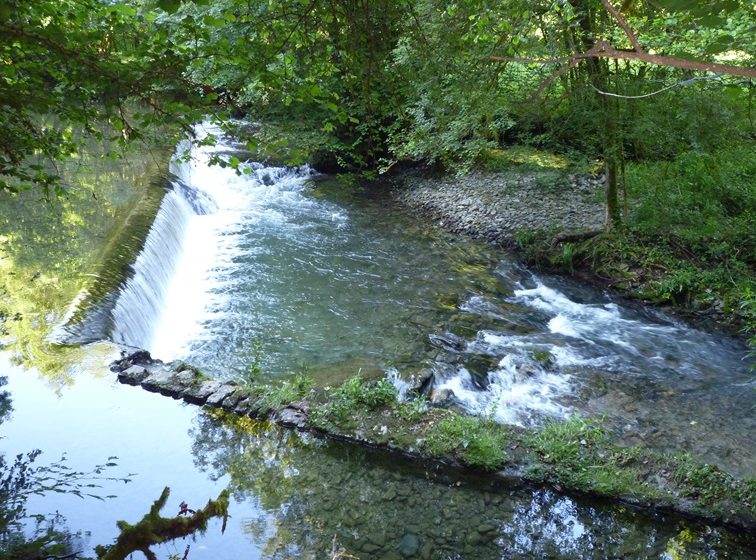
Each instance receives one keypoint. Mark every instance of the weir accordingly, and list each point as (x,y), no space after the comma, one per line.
(279,270)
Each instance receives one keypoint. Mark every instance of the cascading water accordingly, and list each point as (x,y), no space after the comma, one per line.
(142,296)
(162,306)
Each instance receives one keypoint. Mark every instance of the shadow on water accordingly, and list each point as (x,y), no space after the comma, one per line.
(311,492)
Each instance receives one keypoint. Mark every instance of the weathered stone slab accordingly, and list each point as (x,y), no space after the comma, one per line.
(133,375)
(220,394)
(198,394)
(290,417)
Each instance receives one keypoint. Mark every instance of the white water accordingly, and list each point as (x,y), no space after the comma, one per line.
(339,285)
(177,283)
(142,296)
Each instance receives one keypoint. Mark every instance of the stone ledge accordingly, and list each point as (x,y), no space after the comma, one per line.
(654,489)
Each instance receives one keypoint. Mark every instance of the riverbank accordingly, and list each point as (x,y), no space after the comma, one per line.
(552,218)
(572,456)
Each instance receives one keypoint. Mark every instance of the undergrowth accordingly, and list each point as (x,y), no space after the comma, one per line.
(355,395)
(577,453)
(687,240)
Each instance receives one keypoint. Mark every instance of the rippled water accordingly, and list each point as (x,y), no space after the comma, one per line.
(298,272)
(336,279)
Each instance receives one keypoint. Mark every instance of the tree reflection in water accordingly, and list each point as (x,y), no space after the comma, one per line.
(381,506)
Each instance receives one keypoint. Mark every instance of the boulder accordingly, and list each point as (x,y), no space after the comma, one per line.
(198,394)
(220,394)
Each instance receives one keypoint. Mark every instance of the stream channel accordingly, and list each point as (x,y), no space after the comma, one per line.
(299,273)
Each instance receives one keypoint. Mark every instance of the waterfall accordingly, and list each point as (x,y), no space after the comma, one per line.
(175,284)
(141,296)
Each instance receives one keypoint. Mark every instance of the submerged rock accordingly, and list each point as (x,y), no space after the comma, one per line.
(409,545)
(646,481)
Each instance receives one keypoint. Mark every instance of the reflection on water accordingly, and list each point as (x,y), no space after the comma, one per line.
(292,494)
(380,507)
(51,250)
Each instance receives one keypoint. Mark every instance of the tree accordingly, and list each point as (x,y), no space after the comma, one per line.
(75,65)
(584,28)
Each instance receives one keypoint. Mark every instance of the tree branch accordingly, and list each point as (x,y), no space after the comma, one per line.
(623,24)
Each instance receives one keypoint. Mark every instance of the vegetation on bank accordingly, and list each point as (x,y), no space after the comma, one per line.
(658,95)
(687,241)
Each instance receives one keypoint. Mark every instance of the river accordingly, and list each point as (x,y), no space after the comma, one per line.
(303,273)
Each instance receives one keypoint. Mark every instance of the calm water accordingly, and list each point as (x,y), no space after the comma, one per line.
(293,495)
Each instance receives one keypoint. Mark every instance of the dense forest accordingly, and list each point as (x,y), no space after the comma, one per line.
(654,98)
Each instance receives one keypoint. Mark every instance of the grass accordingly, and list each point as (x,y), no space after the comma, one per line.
(478,441)
(356,395)
(254,371)
(577,453)
(574,455)
(273,397)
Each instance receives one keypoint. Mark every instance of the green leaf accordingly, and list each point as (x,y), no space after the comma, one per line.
(169,6)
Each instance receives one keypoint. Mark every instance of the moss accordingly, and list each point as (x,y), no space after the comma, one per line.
(153,529)
(524,157)
(543,357)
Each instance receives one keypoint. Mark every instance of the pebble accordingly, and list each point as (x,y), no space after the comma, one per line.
(459,203)
(409,545)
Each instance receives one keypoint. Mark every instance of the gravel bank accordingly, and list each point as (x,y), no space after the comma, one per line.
(500,206)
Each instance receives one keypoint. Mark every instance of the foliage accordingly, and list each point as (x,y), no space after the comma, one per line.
(413,409)
(87,63)
(577,453)
(254,371)
(479,441)
(20,479)
(288,392)
(354,396)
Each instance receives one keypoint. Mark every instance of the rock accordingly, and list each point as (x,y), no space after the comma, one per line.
(448,341)
(485,528)
(162,381)
(243,406)
(187,377)
(439,397)
(378,539)
(290,417)
(426,551)
(133,375)
(409,545)
(370,548)
(220,394)
(138,358)
(232,400)
(198,394)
